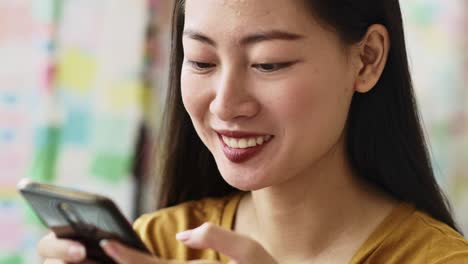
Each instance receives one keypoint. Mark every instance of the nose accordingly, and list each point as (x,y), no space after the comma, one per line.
(233,100)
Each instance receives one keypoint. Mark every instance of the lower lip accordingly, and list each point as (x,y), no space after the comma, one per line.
(241,155)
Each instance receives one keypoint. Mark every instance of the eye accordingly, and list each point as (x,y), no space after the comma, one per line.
(201,66)
(271,67)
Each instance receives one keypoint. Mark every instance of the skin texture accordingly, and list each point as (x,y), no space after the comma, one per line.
(304,106)
(297,89)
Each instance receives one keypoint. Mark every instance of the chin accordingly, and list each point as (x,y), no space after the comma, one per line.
(245,182)
(245,177)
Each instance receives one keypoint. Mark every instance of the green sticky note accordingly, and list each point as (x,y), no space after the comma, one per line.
(11,259)
(114,135)
(111,167)
(42,10)
(45,156)
(57,9)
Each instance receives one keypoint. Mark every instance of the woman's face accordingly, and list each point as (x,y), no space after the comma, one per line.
(268,89)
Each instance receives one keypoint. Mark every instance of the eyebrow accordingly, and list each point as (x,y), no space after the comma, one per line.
(247,40)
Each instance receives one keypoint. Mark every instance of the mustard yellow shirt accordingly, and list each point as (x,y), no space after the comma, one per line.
(405,236)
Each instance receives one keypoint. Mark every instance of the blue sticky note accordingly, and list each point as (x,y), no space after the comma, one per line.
(76,129)
(7,135)
(8,98)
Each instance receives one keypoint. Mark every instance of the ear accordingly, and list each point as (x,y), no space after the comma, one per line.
(371,54)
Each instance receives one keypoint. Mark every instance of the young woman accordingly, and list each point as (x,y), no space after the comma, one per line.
(292,136)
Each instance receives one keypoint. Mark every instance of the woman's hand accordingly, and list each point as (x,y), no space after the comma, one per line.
(64,251)
(58,251)
(240,249)
(125,255)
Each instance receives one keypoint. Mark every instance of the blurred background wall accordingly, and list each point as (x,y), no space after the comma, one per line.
(437,40)
(80,94)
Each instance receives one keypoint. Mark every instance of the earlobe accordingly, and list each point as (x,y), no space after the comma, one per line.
(373,52)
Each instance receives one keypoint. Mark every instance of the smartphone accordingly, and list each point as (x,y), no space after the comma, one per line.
(85,217)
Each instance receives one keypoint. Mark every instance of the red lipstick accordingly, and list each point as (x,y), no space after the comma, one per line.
(239,155)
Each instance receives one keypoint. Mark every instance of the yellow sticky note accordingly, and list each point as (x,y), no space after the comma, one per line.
(126,95)
(76,70)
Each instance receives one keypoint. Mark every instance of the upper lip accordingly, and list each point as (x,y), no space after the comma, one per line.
(239,134)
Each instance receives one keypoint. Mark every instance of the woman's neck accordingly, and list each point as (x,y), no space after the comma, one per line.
(326,211)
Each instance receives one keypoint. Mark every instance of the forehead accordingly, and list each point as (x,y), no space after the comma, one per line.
(237,16)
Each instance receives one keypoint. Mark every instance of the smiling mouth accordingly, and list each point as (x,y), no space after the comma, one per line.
(240,147)
(243,143)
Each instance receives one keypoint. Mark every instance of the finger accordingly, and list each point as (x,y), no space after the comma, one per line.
(63,249)
(236,246)
(58,261)
(125,255)
(53,261)
(88,262)
(198,262)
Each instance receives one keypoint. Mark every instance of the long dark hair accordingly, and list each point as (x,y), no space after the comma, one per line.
(385,140)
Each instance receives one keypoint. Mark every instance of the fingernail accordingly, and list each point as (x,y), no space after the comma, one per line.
(184,236)
(76,252)
(108,247)
(103,243)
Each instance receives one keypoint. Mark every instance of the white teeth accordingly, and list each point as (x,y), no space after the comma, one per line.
(260,141)
(244,143)
(233,143)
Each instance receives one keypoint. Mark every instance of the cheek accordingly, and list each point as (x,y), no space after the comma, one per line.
(314,105)
(195,97)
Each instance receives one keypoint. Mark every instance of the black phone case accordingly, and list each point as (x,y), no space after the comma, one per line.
(81,216)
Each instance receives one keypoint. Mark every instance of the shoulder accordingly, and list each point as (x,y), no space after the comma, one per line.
(158,229)
(412,236)
(444,244)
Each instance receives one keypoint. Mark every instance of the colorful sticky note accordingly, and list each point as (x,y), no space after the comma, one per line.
(76,128)
(42,10)
(7,135)
(115,134)
(76,70)
(47,147)
(125,95)
(111,167)
(9,98)
(11,259)
(57,9)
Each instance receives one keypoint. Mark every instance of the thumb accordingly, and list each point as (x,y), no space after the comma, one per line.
(239,248)
(125,255)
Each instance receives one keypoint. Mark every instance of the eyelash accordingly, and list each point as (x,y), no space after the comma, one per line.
(276,66)
(196,65)
(204,66)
